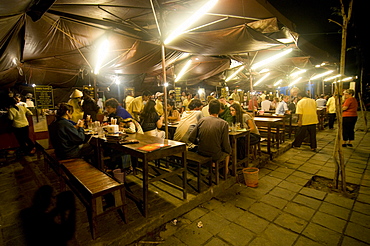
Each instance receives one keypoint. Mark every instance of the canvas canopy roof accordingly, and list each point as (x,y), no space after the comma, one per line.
(58,47)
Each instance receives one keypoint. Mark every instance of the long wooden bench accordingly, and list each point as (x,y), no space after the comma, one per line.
(199,160)
(99,192)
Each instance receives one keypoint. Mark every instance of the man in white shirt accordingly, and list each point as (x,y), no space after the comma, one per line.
(321,102)
(282,107)
(265,104)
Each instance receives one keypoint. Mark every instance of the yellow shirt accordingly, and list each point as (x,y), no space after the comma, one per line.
(136,107)
(307,108)
(159,107)
(19,117)
(330,105)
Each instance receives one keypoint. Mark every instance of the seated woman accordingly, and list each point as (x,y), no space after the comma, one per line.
(67,138)
(150,120)
(246,121)
(173,114)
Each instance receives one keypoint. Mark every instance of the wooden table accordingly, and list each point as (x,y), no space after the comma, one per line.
(234,135)
(269,122)
(173,148)
(286,118)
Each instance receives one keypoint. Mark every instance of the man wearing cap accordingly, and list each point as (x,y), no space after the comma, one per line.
(235,96)
(159,103)
(75,100)
(137,105)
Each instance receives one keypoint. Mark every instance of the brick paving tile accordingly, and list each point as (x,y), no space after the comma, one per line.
(362,208)
(339,200)
(264,210)
(321,234)
(320,195)
(192,235)
(283,193)
(296,180)
(361,219)
(236,235)
(329,221)
(229,211)
(252,222)
(357,231)
(291,222)
(337,211)
(213,222)
(290,186)
(349,241)
(304,241)
(363,198)
(307,201)
(215,242)
(300,211)
(274,201)
(279,235)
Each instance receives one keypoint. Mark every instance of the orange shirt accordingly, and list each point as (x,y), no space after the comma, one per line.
(352,105)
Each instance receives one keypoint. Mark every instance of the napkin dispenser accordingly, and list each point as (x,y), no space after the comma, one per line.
(111,129)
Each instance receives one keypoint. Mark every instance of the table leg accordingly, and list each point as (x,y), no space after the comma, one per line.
(145,186)
(184,174)
(269,140)
(235,155)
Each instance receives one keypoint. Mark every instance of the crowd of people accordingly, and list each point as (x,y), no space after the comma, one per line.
(201,125)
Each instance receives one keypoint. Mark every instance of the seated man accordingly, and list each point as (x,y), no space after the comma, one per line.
(188,121)
(67,138)
(211,134)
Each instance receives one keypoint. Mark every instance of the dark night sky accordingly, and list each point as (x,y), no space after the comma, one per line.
(311,18)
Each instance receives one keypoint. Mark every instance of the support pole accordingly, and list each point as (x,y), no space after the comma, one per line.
(164,88)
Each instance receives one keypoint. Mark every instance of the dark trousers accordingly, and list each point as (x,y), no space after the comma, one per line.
(349,128)
(331,117)
(301,134)
(23,139)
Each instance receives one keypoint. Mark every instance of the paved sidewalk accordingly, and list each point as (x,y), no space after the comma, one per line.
(281,211)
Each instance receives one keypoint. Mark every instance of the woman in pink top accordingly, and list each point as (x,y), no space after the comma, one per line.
(349,107)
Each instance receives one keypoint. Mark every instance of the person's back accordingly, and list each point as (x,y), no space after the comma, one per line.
(188,121)
(265,105)
(211,134)
(307,108)
(321,102)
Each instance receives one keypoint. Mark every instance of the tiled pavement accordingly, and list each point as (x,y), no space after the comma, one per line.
(282,211)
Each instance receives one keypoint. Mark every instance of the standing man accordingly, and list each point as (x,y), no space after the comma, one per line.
(89,106)
(137,105)
(76,100)
(211,134)
(282,107)
(330,109)
(128,99)
(307,120)
(235,96)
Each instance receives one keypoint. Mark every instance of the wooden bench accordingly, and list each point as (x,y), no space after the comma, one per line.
(94,188)
(88,183)
(199,160)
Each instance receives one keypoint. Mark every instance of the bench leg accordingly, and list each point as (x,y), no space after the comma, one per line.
(199,179)
(92,220)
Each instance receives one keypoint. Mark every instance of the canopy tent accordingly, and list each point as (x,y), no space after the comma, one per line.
(57,47)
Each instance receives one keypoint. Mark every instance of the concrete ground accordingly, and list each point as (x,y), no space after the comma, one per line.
(280,211)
